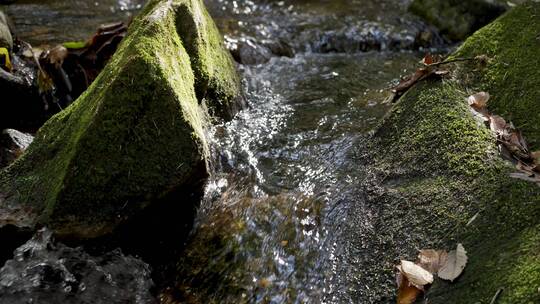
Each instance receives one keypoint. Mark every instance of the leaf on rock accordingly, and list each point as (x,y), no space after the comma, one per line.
(432,260)
(430,59)
(479,100)
(417,276)
(536,156)
(497,124)
(456,262)
(56,56)
(407,293)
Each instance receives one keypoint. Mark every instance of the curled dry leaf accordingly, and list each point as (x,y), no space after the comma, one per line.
(536,155)
(497,124)
(432,260)
(56,56)
(479,100)
(407,293)
(456,262)
(417,276)
(430,59)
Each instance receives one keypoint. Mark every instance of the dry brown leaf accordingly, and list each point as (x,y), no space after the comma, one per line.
(479,100)
(409,81)
(428,59)
(407,293)
(432,260)
(536,155)
(57,55)
(456,262)
(497,124)
(417,276)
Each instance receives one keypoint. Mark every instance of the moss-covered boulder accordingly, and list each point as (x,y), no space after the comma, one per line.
(136,135)
(6,41)
(457,19)
(440,178)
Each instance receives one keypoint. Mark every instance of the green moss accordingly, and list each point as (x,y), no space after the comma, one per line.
(439,168)
(457,19)
(434,119)
(212,63)
(135,135)
(511,76)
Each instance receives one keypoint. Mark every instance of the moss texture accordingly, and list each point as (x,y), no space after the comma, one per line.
(457,19)
(135,135)
(439,168)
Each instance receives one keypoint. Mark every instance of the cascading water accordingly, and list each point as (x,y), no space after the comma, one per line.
(283,219)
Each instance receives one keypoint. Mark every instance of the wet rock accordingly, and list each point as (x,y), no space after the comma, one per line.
(135,136)
(441,179)
(12,145)
(457,19)
(371,36)
(6,40)
(249,51)
(43,271)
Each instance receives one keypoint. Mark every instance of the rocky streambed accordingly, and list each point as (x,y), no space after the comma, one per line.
(296,182)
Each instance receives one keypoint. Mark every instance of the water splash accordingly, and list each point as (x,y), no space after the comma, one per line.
(45,272)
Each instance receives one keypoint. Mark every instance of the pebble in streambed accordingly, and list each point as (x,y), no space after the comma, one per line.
(45,272)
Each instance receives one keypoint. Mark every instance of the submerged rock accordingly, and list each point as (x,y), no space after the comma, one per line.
(12,145)
(45,272)
(247,50)
(135,136)
(440,179)
(457,19)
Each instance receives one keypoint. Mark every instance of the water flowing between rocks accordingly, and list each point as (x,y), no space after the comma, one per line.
(283,218)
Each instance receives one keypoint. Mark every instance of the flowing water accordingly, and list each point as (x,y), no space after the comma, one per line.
(283,219)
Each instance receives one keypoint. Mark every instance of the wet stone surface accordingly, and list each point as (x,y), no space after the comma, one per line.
(43,271)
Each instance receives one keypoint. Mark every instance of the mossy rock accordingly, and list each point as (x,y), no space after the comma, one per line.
(457,19)
(6,41)
(442,180)
(134,136)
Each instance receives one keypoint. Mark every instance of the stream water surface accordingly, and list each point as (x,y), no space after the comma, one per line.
(283,219)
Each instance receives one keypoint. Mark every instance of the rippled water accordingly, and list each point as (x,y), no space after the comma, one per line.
(49,22)
(283,218)
(44,272)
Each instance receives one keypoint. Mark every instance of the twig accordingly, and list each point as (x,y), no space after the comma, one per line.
(452,61)
(496,296)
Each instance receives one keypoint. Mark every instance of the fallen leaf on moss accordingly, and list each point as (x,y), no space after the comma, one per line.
(432,260)
(536,155)
(456,262)
(407,293)
(431,63)
(497,124)
(417,276)
(479,101)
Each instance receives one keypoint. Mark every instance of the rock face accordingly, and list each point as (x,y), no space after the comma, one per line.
(135,136)
(6,41)
(457,19)
(442,181)
(12,145)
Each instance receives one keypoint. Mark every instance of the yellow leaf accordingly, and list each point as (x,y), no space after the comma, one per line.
(5,53)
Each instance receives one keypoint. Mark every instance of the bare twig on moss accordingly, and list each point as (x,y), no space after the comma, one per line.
(496,296)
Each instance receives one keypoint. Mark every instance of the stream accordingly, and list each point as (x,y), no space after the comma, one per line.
(283,218)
